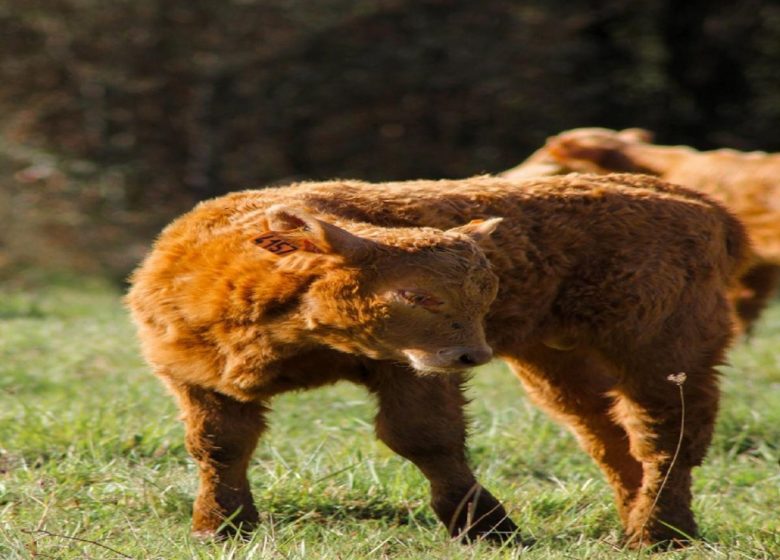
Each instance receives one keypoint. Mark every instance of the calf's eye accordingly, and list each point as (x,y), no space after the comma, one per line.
(421,299)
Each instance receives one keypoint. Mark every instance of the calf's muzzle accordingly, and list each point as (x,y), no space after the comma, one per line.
(465,356)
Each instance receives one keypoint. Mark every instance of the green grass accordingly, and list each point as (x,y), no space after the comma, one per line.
(91,448)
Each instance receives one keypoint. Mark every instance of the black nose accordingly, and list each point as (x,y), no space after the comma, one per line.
(467,356)
(476,357)
(467,359)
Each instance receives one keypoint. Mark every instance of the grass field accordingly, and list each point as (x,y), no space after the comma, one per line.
(92,463)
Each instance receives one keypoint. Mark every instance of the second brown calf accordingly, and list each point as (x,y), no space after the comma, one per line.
(603,287)
(748,183)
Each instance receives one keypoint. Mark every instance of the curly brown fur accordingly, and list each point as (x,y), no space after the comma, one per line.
(603,286)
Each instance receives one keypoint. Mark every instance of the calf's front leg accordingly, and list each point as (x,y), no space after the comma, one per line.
(421,418)
(222,434)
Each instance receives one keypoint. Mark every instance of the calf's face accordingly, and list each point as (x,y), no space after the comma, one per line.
(413,295)
(435,311)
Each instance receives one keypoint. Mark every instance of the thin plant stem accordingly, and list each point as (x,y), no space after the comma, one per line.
(679,380)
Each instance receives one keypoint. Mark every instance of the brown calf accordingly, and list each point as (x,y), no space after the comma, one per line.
(747,183)
(606,286)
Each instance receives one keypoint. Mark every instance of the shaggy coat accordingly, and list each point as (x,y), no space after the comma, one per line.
(604,286)
(747,183)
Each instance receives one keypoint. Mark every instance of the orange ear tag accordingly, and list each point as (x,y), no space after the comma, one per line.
(275,243)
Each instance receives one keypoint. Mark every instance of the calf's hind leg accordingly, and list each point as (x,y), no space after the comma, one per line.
(222,434)
(574,388)
(754,292)
(421,418)
(661,413)
(653,416)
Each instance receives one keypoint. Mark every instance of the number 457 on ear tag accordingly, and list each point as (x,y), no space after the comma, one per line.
(278,245)
(274,243)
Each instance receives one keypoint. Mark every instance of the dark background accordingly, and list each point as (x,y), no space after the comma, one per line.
(117,115)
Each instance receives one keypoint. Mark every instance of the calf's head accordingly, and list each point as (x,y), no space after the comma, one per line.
(417,295)
(599,150)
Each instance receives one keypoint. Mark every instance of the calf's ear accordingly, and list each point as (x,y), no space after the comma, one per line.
(325,237)
(479,230)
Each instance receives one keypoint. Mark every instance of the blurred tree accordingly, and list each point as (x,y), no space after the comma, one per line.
(193,98)
(710,49)
(212,96)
